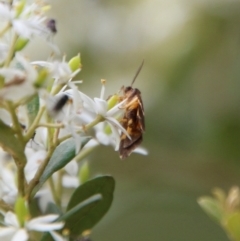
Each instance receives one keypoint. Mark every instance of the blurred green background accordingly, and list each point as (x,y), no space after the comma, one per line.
(190,86)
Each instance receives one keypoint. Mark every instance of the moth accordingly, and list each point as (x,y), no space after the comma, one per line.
(133,119)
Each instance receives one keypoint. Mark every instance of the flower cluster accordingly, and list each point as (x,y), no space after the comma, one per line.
(44,124)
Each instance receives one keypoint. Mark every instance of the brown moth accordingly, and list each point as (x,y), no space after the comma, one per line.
(133,119)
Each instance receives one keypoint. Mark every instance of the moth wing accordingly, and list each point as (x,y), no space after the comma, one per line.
(125,152)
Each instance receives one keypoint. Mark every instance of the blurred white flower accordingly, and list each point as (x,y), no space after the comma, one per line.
(65,108)
(3,51)
(60,71)
(19,83)
(70,178)
(8,188)
(27,23)
(34,160)
(12,231)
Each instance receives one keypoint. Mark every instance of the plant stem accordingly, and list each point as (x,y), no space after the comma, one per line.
(51,125)
(11,51)
(20,162)
(32,128)
(5,29)
(38,174)
(54,191)
(97,120)
(16,125)
(59,186)
(84,153)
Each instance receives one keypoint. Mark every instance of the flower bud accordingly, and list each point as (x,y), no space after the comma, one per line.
(211,207)
(113,100)
(21,210)
(42,77)
(75,63)
(19,7)
(233,199)
(84,173)
(20,44)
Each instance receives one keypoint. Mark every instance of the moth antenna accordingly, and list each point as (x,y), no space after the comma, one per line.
(137,73)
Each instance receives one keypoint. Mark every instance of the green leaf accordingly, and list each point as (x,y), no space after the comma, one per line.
(86,206)
(233,226)
(212,208)
(33,108)
(34,208)
(91,201)
(86,217)
(53,209)
(10,143)
(62,155)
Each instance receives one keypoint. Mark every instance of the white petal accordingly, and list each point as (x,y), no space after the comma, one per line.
(10,219)
(89,104)
(20,235)
(116,124)
(103,138)
(101,106)
(77,101)
(77,138)
(7,232)
(29,69)
(116,136)
(34,161)
(41,227)
(116,109)
(5,13)
(44,223)
(3,51)
(17,92)
(141,150)
(70,182)
(72,168)
(31,26)
(44,219)
(43,64)
(10,74)
(56,236)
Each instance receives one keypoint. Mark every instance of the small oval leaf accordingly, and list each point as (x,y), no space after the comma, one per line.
(32,109)
(10,143)
(212,208)
(89,215)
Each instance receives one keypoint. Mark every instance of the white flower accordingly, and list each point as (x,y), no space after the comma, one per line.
(102,134)
(19,83)
(60,71)
(70,179)
(29,23)
(99,106)
(65,107)
(8,188)
(34,160)
(12,231)
(3,51)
